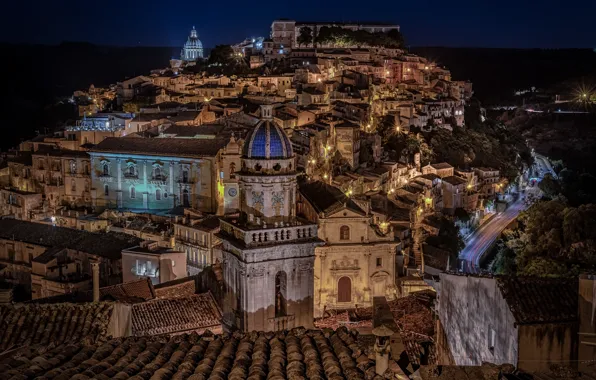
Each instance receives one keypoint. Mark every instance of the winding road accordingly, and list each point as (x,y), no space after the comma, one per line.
(483,238)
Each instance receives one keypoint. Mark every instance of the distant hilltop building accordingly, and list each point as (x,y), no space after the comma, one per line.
(286,32)
(193,48)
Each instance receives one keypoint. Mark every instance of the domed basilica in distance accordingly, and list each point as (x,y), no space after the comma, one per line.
(193,48)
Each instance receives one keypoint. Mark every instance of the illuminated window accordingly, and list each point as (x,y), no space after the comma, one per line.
(344,233)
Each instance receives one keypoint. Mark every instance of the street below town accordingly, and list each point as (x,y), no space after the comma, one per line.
(481,240)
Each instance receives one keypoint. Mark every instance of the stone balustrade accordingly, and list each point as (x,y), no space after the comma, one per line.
(255,235)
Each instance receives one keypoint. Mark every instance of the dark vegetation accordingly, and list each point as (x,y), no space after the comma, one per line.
(341,37)
(557,235)
(486,143)
(497,73)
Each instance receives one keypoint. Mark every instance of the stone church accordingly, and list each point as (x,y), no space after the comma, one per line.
(268,252)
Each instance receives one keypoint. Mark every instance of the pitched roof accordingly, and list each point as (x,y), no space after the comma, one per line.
(181,131)
(326,198)
(175,315)
(295,354)
(108,245)
(138,290)
(44,324)
(540,300)
(441,165)
(162,146)
(454,180)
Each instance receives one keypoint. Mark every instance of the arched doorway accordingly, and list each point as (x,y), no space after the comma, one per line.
(281,280)
(185,198)
(344,290)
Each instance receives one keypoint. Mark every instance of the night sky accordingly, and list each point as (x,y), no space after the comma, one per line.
(485,23)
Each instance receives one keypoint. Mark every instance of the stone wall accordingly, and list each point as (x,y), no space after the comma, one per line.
(470,308)
(250,300)
(541,346)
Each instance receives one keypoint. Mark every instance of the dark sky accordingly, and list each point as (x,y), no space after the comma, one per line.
(487,23)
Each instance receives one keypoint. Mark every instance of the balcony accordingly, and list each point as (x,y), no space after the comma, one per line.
(255,235)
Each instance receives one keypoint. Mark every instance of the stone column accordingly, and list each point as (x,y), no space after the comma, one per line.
(145,175)
(95,271)
(119,165)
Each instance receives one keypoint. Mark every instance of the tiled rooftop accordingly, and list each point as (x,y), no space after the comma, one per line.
(176,315)
(454,180)
(326,198)
(162,146)
(441,165)
(540,300)
(295,354)
(53,324)
(138,290)
(108,245)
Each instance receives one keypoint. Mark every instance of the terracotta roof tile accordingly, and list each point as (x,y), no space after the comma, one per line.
(108,245)
(175,315)
(44,324)
(540,300)
(295,354)
(141,289)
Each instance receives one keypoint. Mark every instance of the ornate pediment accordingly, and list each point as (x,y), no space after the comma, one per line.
(345,264)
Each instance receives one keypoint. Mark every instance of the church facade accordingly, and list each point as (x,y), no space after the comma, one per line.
(357,261)
(268,252)
(193,48)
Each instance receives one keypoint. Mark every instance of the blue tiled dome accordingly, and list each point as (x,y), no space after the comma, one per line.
(267,140)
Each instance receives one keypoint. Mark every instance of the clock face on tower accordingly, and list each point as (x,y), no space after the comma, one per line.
(232,192)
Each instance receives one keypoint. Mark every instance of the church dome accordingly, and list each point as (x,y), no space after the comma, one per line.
(267,141)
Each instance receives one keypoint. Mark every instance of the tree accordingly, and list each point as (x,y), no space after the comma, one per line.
(549,186)
(396,38)
(305,37)
(221,55)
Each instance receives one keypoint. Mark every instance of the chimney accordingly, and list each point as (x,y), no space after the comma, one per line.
(382,348)
(95,271)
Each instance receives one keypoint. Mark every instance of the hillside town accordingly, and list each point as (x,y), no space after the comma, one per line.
(271,210)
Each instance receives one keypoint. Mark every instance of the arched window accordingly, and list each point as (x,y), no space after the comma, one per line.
(157,173)
(106,190)
(232,170)
(158,195)
(184,176)
(131,170)
(281,281)
(133,193)
(344,290)
(185,198)
(73,167)
(106,169)
(344,233)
